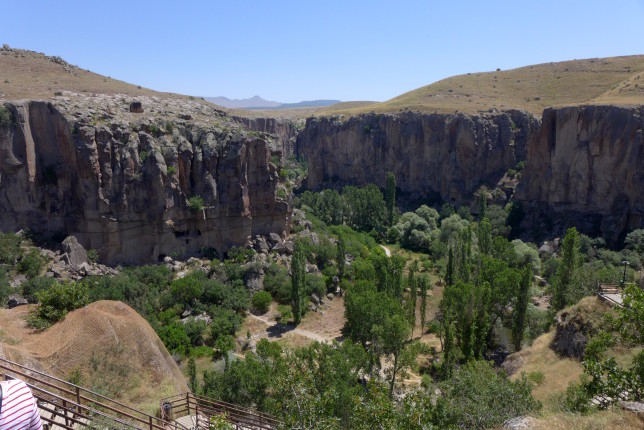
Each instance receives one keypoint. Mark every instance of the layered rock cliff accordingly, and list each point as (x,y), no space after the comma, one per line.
(434,157)
(284,130)
(123,186)
(585,167)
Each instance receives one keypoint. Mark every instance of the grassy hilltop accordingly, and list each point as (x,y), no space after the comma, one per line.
(614,80)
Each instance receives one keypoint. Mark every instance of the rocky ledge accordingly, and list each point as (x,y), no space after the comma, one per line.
(137,182)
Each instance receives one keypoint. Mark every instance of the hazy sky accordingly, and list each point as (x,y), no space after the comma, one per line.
(301,50)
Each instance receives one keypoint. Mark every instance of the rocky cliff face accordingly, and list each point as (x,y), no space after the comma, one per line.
(122,187)
(283,129)
(585,167)
(434,156)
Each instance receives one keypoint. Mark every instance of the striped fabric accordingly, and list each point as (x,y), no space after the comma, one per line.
(19,410)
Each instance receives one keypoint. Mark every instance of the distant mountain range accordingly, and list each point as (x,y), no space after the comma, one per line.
(257,102)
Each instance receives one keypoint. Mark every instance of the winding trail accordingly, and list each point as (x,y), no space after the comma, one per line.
(387,251)
(291,329)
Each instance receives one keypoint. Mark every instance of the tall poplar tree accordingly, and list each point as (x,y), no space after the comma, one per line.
(521,307)
(566,269)
(298,282)
(341,256)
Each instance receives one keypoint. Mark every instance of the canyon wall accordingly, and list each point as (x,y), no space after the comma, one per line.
(434,157)
(585,167)
(283,130)
(124,189)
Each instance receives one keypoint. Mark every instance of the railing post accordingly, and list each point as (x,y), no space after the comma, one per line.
(78,400)
(150,422)
(188,402)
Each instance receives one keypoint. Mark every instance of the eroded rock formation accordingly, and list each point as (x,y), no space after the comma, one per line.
(434,156)
(585,167)
(124,188)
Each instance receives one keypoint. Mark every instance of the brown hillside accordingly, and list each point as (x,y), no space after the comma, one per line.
(615,80)
(105,346)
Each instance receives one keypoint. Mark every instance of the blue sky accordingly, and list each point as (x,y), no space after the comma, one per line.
(301,50)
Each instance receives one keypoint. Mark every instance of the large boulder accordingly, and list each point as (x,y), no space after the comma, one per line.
(76,254)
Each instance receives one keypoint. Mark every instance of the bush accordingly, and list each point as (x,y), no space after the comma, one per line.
(224,322)
(195,203)
(92,256)
(478,397)
(315,284)
(5,117)
(4,287)
(261,301)
(175,338)
(31,264)
(32,287)
(10,250)
(171,170)
(57,301)
(278,283)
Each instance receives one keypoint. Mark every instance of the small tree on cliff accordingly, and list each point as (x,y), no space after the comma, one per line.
(390,197)
(298,285)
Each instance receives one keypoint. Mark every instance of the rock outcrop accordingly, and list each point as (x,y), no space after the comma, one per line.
(434,157)
(585,167)
(284,130)
(136,191)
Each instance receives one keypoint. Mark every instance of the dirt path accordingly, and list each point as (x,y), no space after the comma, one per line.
(289,329)
(387,251)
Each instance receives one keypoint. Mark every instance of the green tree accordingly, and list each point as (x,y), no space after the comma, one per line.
(192,375)
(393,335)
(449,275)
(521,307)
(482,200)
(261,301)
(390,197)
(482,321)
(224,345)
(298,282)
(412,284)
(566,269)
(341,256)
(424,286)
(485,236)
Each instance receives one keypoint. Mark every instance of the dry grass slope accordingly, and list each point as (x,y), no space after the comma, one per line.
(32,75)
(105,346)
(615,80)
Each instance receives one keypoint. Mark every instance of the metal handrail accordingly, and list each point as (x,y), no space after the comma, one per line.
(204,407)
(81,395)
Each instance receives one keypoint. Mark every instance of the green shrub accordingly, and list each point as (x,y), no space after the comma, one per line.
(172,170)
(57,301)
(219,422)
(261,301)
(4,287)
(92,256)
(195,203)
(5,117)
(315,284)
(10,250)
(478,397)
(224,322)
(31,264)
(278,283)
(32,287)
(175,338)
(144,155)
